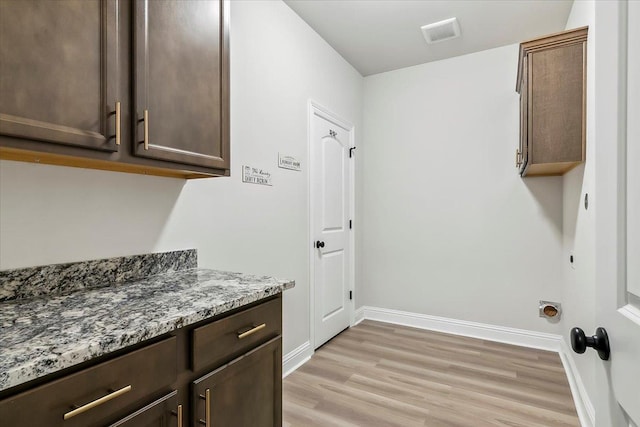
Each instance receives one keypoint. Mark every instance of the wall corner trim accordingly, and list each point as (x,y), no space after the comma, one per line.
(296,358)
(584,407)
(358,315)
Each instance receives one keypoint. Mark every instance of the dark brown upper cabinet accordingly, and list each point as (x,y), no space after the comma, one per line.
(78,78)
(552,86)
(59,78)
(181,64)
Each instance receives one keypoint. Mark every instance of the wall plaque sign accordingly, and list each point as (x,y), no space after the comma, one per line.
(256,176)
(288,162)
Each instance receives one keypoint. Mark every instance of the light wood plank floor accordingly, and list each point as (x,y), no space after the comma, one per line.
(378,374)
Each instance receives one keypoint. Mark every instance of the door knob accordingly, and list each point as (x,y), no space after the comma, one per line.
(599,342)
(319,244)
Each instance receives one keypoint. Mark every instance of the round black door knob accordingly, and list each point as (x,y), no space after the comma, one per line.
(578,340)
(319,244)
(599,342)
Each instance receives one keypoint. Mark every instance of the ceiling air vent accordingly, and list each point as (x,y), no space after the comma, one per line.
(441,31)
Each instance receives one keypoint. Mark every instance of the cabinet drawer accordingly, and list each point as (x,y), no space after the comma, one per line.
(93,396)
(224,339)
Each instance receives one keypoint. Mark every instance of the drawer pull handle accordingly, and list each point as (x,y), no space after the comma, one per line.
(118,121)
(97,402)
(207,409)
(179,415)
(146,129)
(251,331)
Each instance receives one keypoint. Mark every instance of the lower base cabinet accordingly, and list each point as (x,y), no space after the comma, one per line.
(177,381)
(245,392)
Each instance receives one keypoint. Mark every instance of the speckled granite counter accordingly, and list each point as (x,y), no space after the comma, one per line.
(41,335)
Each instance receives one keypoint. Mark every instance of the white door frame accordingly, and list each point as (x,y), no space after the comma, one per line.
(317,109)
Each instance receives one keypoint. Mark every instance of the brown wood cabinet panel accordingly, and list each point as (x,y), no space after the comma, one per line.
(552,86)
(164,412)
(557,104)
(244,393)
(224,339)
(181,72)
(133,377)
(59,73)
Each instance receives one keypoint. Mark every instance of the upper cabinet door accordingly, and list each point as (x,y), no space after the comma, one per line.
(59,79)
(181,72)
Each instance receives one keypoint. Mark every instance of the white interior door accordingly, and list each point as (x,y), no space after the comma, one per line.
(330,206)
(618,209)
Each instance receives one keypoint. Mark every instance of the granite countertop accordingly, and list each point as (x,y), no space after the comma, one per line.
(44,334)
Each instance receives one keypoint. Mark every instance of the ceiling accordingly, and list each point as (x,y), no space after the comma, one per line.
(383,35)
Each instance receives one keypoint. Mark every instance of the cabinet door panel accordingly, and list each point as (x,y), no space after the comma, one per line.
(247,392)
(161,413)
(181,79)
(59,76)
(556,115)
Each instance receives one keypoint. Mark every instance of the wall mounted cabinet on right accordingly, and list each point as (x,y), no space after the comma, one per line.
(552,86)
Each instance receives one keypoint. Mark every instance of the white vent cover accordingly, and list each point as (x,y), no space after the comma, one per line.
(441,31)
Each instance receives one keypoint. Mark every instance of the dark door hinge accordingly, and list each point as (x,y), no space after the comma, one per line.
(351,151)
(350,295)
(350,224)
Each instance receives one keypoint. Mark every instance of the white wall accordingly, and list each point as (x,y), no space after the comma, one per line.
(579,224)
(278,64)
(51,214)
(450,228)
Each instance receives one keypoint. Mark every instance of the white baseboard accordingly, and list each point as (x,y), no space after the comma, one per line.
(584,407)
(296,358)
(521,337)
(358,316)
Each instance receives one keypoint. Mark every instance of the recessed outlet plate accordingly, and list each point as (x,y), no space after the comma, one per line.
(550,310)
